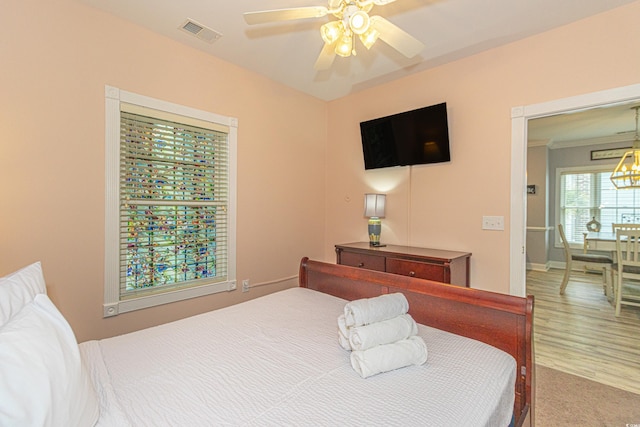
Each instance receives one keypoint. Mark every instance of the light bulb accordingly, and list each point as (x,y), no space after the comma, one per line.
(331,31)
(369,37)
(359,22)
(344,46)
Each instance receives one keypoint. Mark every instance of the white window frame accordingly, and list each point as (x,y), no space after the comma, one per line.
(558,197)
(113,305)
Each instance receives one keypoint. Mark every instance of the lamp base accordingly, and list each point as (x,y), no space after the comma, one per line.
(376,244)
(375,226)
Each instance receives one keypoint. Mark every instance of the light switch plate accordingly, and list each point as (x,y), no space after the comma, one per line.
(493,223)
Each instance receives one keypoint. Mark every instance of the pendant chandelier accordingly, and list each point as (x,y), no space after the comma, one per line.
(627,173)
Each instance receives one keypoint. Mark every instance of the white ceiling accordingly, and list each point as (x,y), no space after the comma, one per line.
(450,29)
(606,124)
(286,51)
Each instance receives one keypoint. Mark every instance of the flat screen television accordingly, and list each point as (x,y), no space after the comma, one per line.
(413,137)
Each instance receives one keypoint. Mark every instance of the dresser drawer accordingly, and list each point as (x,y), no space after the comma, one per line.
(370,262)
(421,270)
(423,263)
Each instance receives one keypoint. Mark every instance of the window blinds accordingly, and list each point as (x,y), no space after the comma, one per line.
(173,203)
(589,193)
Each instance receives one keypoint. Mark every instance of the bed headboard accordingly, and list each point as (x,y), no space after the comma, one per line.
(503,321)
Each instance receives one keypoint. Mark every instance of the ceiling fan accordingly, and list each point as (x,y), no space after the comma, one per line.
(339,36)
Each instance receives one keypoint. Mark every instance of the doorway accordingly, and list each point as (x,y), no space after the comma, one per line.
(562,333)
(519,126)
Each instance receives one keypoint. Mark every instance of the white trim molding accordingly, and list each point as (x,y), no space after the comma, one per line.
(113,305)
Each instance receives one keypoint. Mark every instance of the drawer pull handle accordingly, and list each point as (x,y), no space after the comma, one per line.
(412,273)
(361,264)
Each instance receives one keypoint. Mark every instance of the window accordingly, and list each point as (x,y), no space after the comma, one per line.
(170,202)
(586,193)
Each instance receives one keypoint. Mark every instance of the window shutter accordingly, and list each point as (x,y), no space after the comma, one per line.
(174,180)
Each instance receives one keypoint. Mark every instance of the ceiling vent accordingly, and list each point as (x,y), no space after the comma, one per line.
(200,31)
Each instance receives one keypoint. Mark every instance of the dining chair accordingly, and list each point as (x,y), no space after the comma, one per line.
(624,226)
(592,260)
(615,227)
(627,266)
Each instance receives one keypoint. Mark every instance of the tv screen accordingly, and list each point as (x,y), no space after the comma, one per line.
(414,137)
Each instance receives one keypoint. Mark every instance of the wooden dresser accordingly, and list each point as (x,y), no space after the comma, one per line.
(432,264)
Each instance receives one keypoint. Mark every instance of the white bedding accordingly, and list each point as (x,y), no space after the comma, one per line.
(276,361)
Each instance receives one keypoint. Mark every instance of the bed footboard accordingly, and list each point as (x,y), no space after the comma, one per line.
(503,321)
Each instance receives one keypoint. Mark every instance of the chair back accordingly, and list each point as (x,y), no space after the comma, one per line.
(628,249)
(624,226)
(565,244)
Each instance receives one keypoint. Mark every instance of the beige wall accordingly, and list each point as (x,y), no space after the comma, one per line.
(55,59)
(537,217)
(442,206)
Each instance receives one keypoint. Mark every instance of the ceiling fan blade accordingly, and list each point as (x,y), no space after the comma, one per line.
(395,37)
(264,16)
(326,57)
(364,3)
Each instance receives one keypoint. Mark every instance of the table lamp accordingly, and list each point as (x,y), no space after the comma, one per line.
(374,210)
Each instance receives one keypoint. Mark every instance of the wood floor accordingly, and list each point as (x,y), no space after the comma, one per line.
(578,332)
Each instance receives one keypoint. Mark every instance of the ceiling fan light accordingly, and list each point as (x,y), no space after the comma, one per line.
(331,31)
(344,46)
(359,22)
(369,38)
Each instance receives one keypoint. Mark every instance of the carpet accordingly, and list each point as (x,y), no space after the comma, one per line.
(567,400)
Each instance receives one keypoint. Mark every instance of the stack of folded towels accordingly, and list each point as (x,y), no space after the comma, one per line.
(380,334)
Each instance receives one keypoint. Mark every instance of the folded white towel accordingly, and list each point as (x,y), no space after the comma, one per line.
(385,332)
(384,358)
(344,341)
(342,326)
(369,310)
(343,333)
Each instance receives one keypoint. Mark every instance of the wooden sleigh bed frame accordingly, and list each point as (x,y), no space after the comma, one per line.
(503,321)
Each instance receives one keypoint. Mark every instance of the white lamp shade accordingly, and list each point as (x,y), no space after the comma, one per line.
(374,205)
(331,31)
(359,22)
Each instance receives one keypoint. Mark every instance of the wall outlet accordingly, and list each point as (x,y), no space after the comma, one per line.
(245,285)
(493,223)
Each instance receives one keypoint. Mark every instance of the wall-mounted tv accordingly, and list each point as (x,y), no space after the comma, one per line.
(414,137)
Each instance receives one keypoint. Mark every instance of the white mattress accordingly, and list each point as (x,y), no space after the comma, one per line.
(276,361)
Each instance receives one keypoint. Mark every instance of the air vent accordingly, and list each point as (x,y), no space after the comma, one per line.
(200,31)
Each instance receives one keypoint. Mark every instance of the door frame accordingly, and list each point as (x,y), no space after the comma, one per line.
(519,126)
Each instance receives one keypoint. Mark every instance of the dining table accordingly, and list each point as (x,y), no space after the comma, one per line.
(601,241)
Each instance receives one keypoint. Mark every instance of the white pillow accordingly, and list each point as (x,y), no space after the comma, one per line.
(19,289)
(42,379)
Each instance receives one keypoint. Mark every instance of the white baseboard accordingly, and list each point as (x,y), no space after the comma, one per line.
(538,267)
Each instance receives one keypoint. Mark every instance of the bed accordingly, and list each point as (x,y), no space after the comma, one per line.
(502,321)
(275,361)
